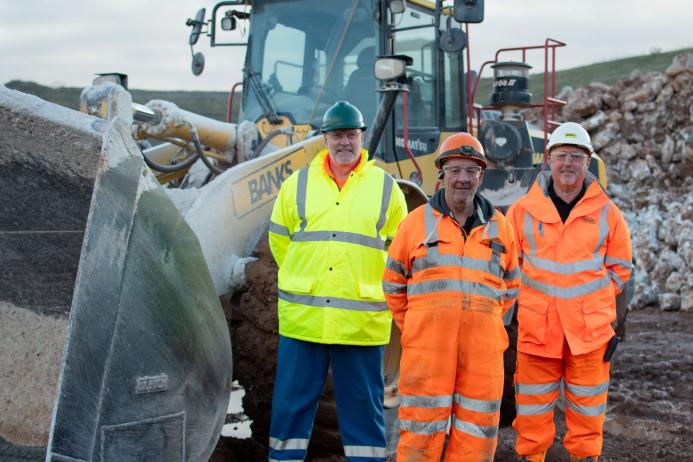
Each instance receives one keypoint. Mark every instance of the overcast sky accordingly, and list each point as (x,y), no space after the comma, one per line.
(63,43)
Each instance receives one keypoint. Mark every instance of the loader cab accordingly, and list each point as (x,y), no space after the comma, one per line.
(304,55)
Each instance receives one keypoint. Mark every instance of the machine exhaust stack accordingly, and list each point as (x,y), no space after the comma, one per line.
(511,88)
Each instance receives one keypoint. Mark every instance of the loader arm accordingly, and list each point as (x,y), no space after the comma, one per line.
(230,214)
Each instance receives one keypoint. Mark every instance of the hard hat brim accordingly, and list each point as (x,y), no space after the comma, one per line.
(456,155)
(331,129)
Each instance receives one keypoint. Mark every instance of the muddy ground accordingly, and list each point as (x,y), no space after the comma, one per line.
(649,412)
(649,415)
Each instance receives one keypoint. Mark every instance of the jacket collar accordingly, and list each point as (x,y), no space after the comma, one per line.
(544,179)
(319,160)
(483,213)
(541,207)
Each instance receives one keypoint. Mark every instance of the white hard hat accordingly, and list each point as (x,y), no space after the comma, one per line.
(570,133)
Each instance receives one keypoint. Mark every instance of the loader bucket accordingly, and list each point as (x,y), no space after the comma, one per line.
(97,262)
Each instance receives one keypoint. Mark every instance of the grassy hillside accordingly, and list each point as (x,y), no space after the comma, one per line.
(608,72)
(213,104)
(208,103)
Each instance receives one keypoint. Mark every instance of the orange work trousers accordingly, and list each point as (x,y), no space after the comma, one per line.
(451,376)
(585,381)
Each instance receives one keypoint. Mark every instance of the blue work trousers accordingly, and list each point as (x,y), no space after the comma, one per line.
(357,374)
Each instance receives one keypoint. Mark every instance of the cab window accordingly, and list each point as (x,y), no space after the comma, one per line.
(415,37)
(453,82)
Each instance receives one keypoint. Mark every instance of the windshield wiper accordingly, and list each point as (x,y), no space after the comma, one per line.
(337,51)
(268,108)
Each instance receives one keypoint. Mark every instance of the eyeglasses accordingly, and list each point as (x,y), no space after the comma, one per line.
(571,156)
(468,171)
(351,135)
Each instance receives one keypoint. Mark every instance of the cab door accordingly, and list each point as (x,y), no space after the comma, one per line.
(435,103)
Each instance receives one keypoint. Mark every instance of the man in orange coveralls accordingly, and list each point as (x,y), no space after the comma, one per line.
(576,256)
(450,277)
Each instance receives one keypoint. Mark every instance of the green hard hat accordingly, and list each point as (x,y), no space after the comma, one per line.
(342,115)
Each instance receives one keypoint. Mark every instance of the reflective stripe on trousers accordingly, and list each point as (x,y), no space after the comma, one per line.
(537,384)
(445,402)
(443,405)
(576,392)
(548,406)
(542,405)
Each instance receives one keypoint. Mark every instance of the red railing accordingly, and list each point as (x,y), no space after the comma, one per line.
(550,102)
(229,101)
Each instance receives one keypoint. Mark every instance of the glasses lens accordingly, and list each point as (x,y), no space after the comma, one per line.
(351,135)
(468,171)
(573,156)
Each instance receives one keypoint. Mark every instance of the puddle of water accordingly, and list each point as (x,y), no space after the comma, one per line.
(237,424)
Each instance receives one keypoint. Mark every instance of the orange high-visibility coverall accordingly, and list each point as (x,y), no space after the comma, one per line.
(571,273)
(448,292)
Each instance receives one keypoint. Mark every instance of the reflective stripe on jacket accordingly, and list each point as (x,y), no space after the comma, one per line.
(431,264)
(330,248)
(571,271)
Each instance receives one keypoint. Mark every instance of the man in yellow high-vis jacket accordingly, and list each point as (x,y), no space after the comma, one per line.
(328,231)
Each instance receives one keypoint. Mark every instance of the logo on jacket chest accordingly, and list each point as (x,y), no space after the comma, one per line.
(589,220)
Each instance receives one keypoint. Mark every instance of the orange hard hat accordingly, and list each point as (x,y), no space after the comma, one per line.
(461,145)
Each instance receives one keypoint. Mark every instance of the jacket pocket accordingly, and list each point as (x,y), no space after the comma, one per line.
(532,320)
(598,318)
(371,291)
(497,257)
(297,285)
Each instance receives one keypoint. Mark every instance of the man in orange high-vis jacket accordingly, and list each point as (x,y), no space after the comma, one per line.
(450,280)
(575,253)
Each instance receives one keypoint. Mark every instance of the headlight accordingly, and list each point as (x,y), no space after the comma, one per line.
(398,6)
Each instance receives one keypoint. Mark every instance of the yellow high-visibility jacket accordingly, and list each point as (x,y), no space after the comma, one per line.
(330,248)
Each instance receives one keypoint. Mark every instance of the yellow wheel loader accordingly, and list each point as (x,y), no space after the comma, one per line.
(124,225)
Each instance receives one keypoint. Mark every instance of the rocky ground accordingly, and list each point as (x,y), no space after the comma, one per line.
(650,407)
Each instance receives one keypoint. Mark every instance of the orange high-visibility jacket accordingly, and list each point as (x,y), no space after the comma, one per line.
(448,291)
(433,264)
(571,272)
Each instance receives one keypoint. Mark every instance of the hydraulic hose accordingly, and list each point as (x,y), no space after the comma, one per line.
(170,168)
(200,154)
(288,131)
(187,162)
